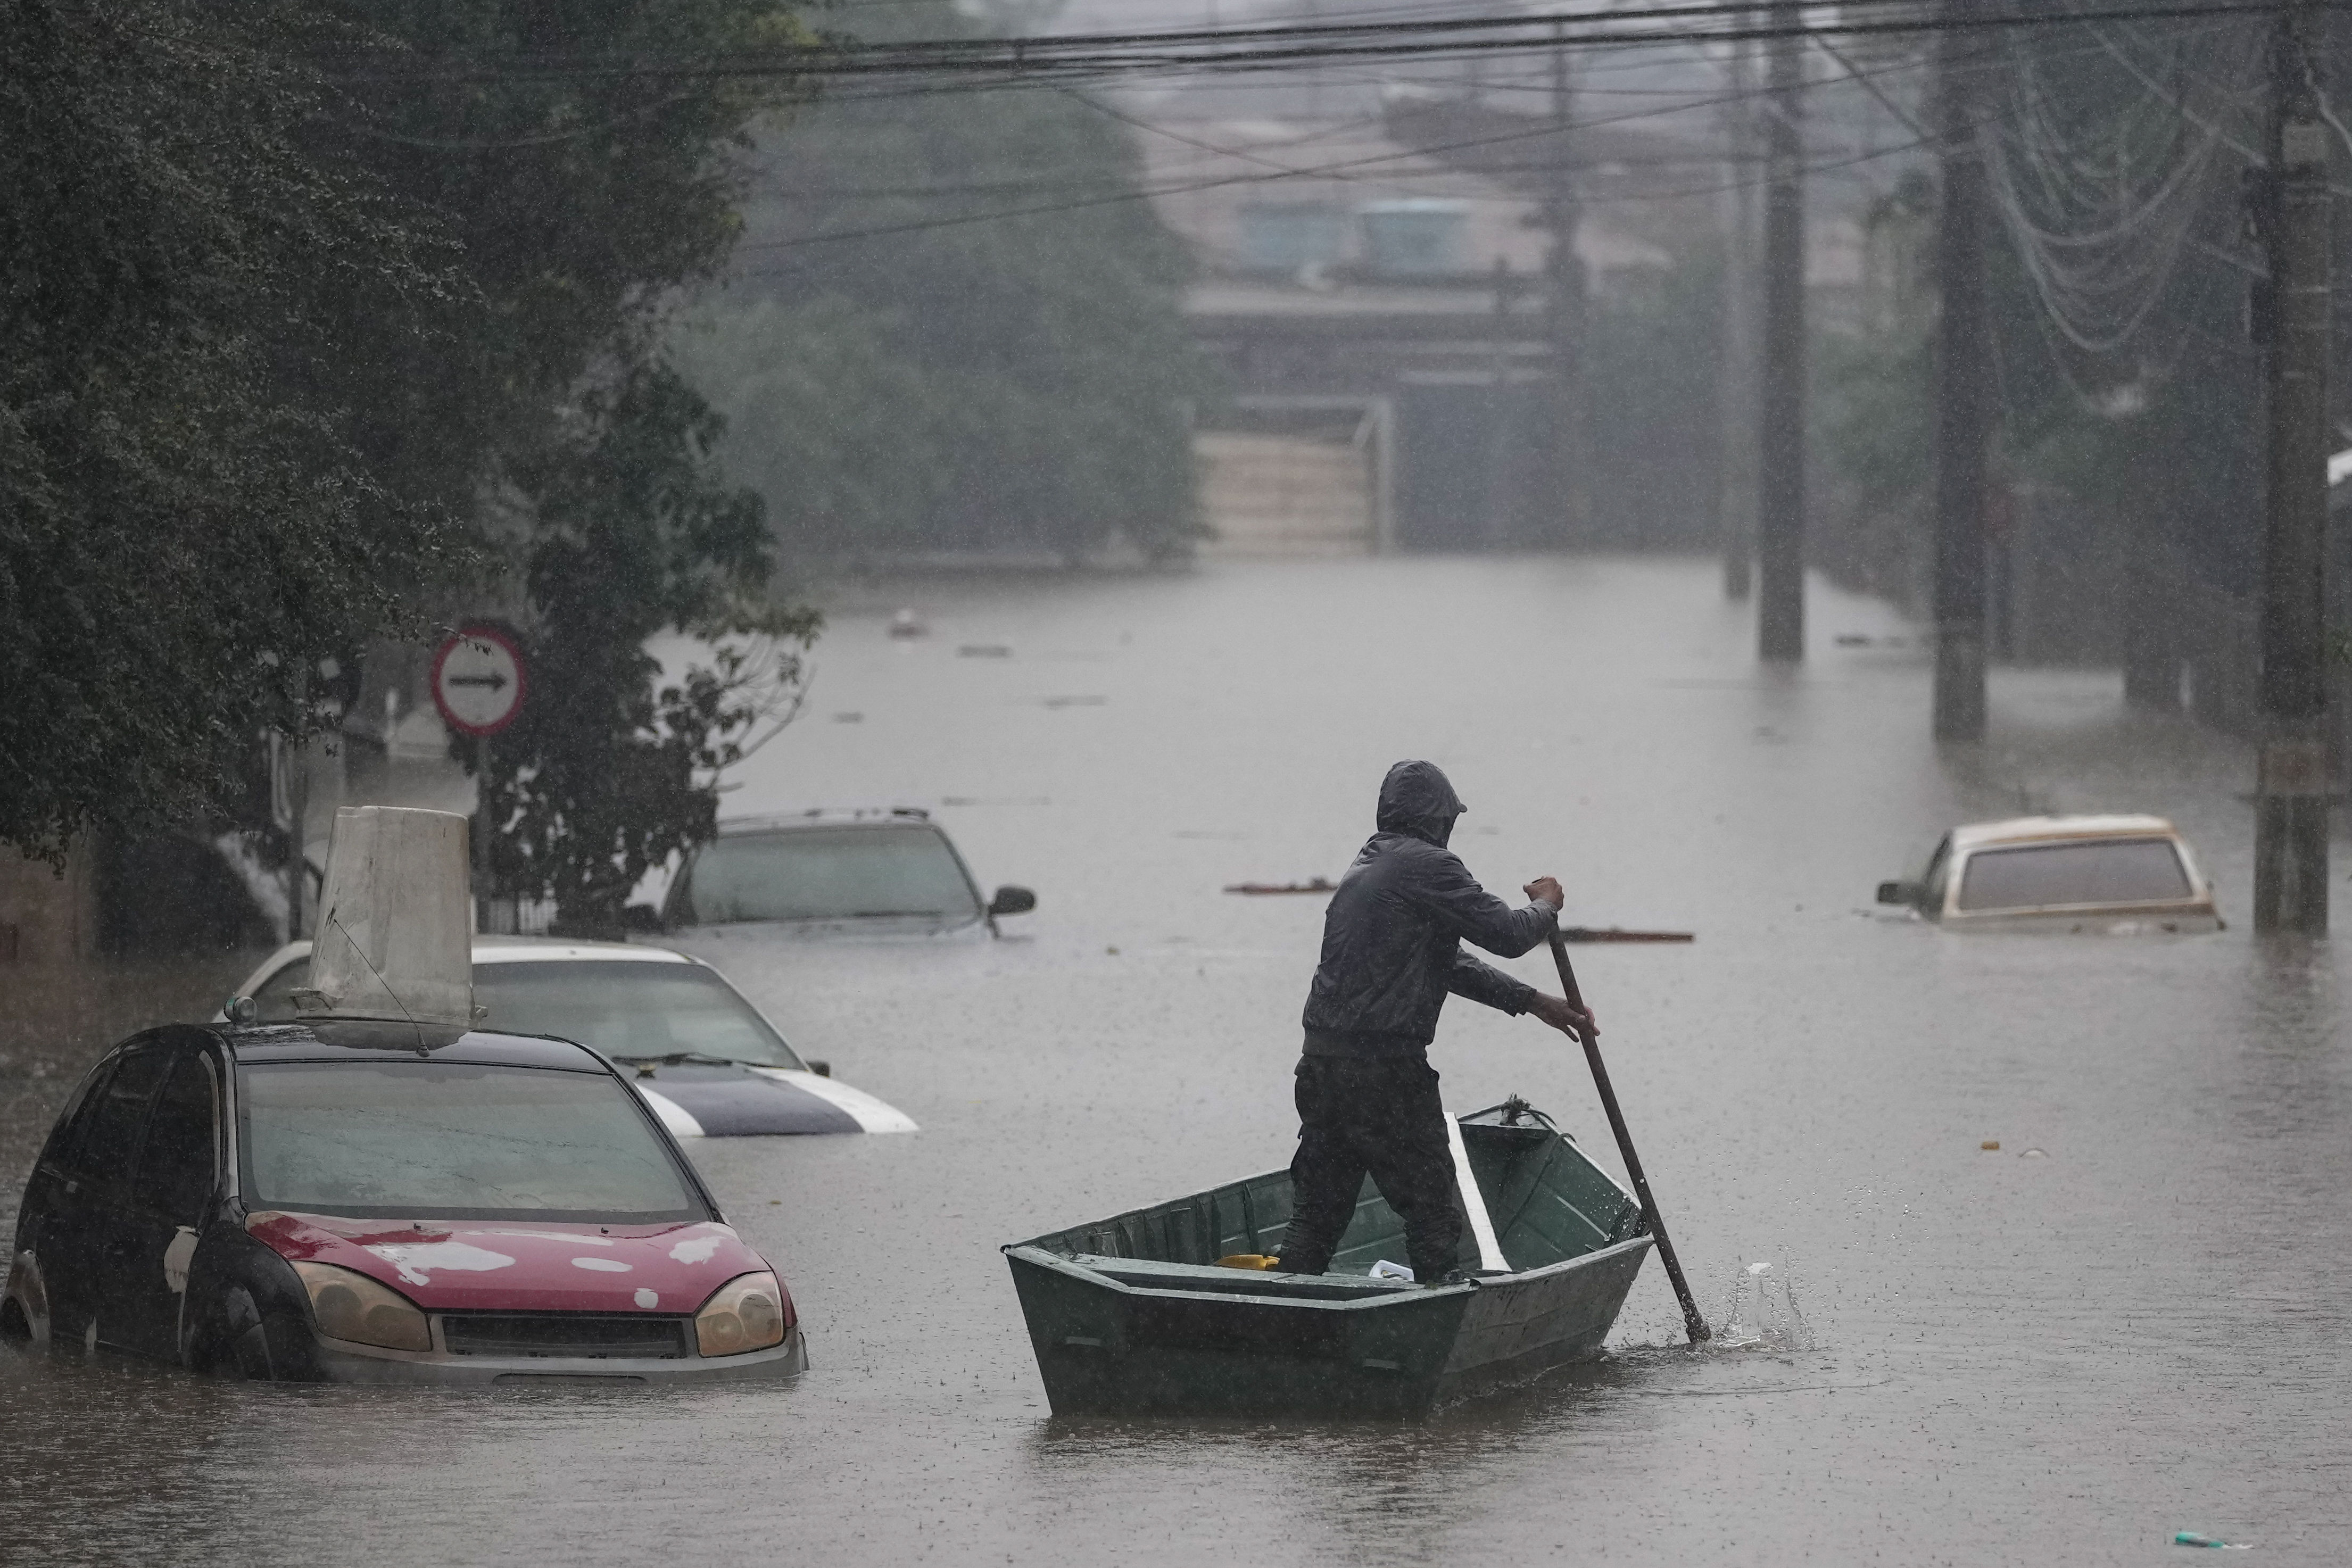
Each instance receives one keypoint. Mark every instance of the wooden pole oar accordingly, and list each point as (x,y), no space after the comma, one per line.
(1692,1320)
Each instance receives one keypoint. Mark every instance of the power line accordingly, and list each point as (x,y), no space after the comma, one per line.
(1279,46)
(1342,169)
(881,231)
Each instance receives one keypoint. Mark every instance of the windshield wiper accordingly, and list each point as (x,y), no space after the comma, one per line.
(673,1058)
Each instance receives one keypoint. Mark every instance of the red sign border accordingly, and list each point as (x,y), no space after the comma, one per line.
(522,679)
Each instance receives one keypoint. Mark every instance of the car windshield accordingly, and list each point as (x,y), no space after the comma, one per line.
(2106,870)
(828,873)
(451,1141)
(623,1007)
(630,1008)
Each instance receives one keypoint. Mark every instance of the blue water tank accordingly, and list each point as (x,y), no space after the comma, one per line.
(1284,236)
(1416,238)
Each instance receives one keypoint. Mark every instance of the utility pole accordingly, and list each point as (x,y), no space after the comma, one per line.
(1565,293)
(1781,422)
(1964,392)
(1736,306)
(2292,783)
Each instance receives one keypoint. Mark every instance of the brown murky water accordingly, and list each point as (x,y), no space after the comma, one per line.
(2053,1356)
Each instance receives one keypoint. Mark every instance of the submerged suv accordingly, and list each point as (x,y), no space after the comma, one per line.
(2111,873)
(882,872)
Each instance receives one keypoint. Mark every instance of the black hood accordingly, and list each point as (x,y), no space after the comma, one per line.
(1417,799)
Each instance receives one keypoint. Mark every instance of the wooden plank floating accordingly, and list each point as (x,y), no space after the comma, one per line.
(1568,933)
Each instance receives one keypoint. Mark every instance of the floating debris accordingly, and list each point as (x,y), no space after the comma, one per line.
(1320,885)
(1618,934)
(1990,1146)
(849,718)
(909,623)
(983,651)
(2034,1155)
(2192,1538)
(1076,702)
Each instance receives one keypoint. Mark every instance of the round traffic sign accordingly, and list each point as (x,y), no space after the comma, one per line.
(477,681)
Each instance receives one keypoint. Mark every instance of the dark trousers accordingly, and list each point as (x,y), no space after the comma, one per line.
(1378,1117)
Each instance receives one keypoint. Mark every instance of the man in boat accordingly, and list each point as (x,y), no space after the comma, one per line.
(1367,1096)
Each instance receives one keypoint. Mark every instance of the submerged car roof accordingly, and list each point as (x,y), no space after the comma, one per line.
(827,817)
(537,950)
(2040,829)
(367,1041)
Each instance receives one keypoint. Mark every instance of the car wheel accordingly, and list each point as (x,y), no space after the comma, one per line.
(257,1346)
(249,1352)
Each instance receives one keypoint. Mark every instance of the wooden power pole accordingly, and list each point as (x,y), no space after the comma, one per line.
(1565,289)
(1964,392)
(1781,422)
(2292,784)
(1736,305)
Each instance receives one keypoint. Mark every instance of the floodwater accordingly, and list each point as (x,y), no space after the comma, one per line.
(2130,1319)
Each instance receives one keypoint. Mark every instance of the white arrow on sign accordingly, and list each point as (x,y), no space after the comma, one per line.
(477,681)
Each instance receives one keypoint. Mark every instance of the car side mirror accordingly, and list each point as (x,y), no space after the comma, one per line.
(1898,893)
(1011,901)
(821,1068)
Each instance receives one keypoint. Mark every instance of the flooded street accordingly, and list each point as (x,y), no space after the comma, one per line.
(2130,1319)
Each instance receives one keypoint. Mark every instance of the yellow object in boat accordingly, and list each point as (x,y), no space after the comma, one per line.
(1247,1260)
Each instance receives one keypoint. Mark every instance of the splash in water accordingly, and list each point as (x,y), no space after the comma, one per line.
(1762,1314)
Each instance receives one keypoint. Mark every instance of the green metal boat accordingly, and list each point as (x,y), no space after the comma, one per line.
(1134,1315)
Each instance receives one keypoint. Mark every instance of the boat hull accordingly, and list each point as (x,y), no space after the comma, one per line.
(1131,1315)
(1112,1345)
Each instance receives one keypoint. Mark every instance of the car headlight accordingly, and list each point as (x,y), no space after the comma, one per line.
(349,1305)
(747,1313)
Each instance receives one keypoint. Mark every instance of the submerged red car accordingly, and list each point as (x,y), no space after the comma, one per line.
(364,1202)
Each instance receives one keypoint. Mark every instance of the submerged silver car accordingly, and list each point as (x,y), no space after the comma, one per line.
(890,873)
(707,1062)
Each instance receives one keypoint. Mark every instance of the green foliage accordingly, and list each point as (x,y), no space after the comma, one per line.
(601,776)
(187,527)
(1019,381)
(2162,434)
(1874,418)
(584,200)
(320,330)
(1651,417)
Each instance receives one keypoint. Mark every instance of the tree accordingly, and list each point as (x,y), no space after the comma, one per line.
(1012,382)
(603,775)
(185,530)
(584,200)
(322,331)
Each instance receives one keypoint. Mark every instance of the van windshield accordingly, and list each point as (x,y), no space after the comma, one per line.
(828,873)
(2108,870)
(453,1140)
